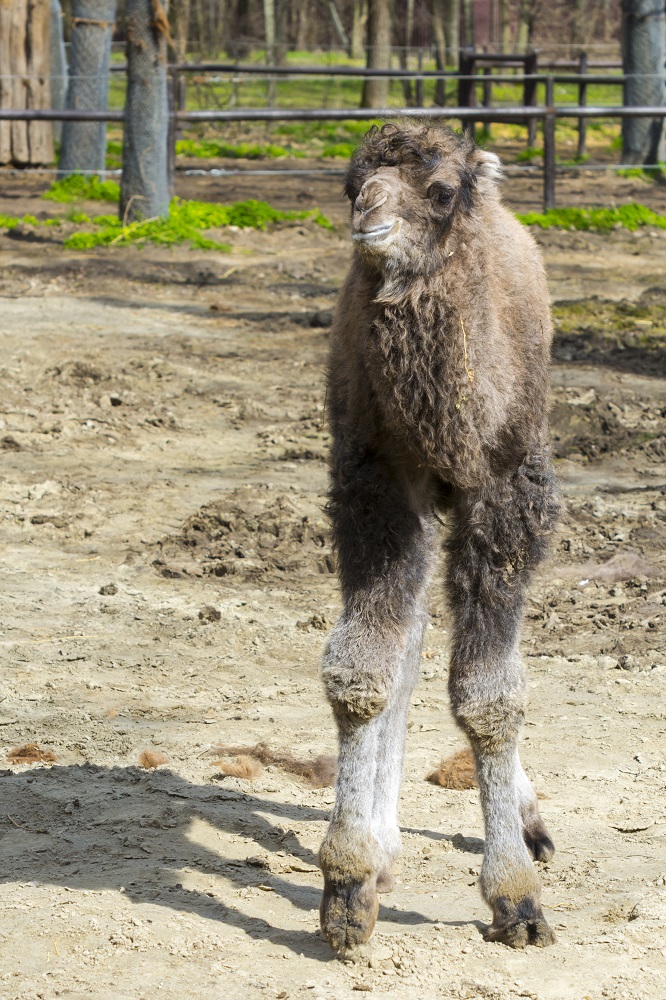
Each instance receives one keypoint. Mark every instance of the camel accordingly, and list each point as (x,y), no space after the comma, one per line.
(437,392)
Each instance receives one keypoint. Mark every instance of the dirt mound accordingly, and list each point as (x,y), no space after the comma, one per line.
(586,428)
(253,532)
(628,336)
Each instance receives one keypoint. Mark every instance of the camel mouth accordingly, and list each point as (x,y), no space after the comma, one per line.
(377,235)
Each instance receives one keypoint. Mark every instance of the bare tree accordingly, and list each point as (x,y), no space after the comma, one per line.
(144,190)
(84,143)
(439,40)
(179,15)
(376,89)
(25,80)
(57,64)
(643,26)
(359,23)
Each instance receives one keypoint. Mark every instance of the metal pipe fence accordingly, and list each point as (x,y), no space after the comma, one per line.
(547,115)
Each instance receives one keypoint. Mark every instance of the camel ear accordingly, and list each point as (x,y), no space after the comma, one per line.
(488,169)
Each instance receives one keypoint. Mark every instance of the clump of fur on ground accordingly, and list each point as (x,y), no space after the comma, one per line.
(319,772)
(30,753)
(456,772)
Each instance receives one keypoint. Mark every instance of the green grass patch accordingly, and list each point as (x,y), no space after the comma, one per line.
(78,187)
(529,154)
(187,223)
(601,220)
(339,149)
(209,148)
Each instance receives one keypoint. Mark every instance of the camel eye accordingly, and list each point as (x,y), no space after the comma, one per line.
(440,194)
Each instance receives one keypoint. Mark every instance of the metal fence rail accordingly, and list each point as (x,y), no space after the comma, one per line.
(546,114)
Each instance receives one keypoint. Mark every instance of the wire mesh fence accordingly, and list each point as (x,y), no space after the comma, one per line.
(84,143)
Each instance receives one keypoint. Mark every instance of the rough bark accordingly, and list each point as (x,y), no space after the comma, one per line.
(359,23)
(439,40)
(180,25)
(643,27)
(58,64)
(144,190)
(525,25)
(468,24)
(84,143)
(452,31)
(25,80)
(504,16)
(376,89)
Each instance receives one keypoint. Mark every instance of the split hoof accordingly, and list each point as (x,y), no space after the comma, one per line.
(538,841)
(518,926)
(348,913)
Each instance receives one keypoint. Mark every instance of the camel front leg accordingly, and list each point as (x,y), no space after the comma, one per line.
(496,539)
(391,755)
(384,548)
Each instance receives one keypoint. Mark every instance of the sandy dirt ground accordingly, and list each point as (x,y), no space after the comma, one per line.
(167,586)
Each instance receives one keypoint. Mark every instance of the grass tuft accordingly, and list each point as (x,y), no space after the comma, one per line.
(600,220)
(78,187)
(186,222)
(205,148)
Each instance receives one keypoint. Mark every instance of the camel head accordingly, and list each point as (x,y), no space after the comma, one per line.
(408,183)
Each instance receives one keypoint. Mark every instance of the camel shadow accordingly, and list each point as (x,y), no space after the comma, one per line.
(123,828)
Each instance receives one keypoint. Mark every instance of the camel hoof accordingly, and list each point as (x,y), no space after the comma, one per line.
(518,926)
(538,842)
(348,913)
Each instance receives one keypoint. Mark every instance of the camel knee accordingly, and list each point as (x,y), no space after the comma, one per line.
(492,724)
(358,671)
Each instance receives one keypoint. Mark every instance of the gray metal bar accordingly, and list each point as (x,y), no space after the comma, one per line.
(549,147)
(341,114)
(397,73)
(582,101)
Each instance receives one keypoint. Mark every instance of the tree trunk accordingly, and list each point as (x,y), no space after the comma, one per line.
(439,40)
(58,64)
(84,143)
(303,13)
(144,189)
(468,24)
(25,80)
(376,89)
(505,25)
(359,23)
(452,31)
(180,27)
(281,39)
(269,32)
(525,25)
(643,27)
(407,84)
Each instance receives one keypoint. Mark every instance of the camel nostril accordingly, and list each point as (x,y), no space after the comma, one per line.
(380,199)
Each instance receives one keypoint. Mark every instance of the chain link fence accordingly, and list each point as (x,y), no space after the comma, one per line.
(644,52)
(84,143)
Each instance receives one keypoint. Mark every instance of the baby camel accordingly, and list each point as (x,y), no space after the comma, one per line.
(437,389)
